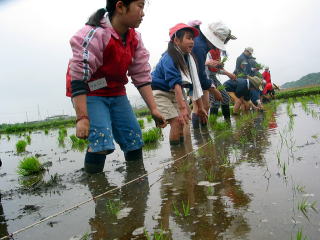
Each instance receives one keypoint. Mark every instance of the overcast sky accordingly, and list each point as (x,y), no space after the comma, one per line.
(35,43)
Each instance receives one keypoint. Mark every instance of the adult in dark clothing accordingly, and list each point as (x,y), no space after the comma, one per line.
(245,57)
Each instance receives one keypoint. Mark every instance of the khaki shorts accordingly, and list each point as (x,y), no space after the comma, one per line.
(166,103)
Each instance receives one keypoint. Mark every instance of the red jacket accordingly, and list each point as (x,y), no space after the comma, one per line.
(215,55)
(266,75)
(98,53)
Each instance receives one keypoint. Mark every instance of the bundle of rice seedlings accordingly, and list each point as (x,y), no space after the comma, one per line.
(29,166)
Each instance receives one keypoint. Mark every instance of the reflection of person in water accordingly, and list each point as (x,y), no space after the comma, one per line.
(132,198)
(209,217)
(3,222)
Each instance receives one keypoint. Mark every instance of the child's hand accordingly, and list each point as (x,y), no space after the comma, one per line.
(159,119)
(202,115)
(213,63)
(184,115)
(82,128)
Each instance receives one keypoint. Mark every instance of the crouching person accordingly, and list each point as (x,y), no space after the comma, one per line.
(241,92)
(175,71)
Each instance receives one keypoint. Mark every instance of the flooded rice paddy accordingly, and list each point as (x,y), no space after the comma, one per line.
(255,179)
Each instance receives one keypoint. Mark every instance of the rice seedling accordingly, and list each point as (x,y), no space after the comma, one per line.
(157,235)
(152,135)
(210,190)
(209,175)
(186,208)
(141,123)
(220,126)
(8,137)
(212,119)
(313,206)
(303,206)
(46,131)
(149,118)
(176,210)
(29,166)
(299,235)
(113,207)
(85,236)
(77,143)
(243,140)
(221,87)
(284,169)
(28,139)
(32,180)
(300,189)
(21,146)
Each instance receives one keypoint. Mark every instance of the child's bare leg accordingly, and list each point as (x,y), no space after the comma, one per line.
(176,130)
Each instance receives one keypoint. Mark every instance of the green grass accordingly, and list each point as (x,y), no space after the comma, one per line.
(29,166)
(28,127)
(46,131)
(21,146)
(299,235)
(141,123)
(298,92)
(152,135)
(185,209)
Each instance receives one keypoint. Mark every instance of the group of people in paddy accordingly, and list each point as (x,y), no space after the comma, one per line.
(108,49)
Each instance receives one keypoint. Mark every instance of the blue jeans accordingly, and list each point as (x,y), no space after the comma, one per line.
(112,118)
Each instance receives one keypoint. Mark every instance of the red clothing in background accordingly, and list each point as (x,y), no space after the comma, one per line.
(266,75)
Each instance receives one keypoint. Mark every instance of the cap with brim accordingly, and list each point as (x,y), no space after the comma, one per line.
(249,49)
(180,26)
(216,33)
(256,82)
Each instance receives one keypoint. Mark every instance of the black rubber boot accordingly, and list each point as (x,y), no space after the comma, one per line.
(94,162)
(195,121)
(214,111)
(225,111)
(134,155)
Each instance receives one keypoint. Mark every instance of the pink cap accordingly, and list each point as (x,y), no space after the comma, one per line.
(194,23)
(180,26)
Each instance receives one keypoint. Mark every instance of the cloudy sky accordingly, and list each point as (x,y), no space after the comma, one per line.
(35,43)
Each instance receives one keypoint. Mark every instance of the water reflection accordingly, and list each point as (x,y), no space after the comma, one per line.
(109,222)
(214,210)
(3,222)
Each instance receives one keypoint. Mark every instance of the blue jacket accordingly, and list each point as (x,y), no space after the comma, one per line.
(166,75)
(200,51)
(247,70)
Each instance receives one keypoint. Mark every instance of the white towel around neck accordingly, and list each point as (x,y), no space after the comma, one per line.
(193,79)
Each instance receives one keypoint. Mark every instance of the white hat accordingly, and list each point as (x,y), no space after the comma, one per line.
(249,49)
(217,33)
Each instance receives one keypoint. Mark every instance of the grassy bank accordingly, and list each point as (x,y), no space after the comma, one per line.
(298,92)
(32,126)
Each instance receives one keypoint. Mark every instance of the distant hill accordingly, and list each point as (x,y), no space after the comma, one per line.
(310,79)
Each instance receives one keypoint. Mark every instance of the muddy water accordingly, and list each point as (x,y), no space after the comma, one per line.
(246,184)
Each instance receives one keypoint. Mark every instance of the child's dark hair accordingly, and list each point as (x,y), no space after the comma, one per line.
(94,19)
(177,57)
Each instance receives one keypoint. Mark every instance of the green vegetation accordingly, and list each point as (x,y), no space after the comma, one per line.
(141,112)
(46,131)
(62,134)
(185,209)
(28,139)
(113,207)
(149,118)
(85,236)
(310,79)
(159,235)
(141,123)
(298,92)
(152,135)
(29,166)
(28,127)
(21,146)
(79,144)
